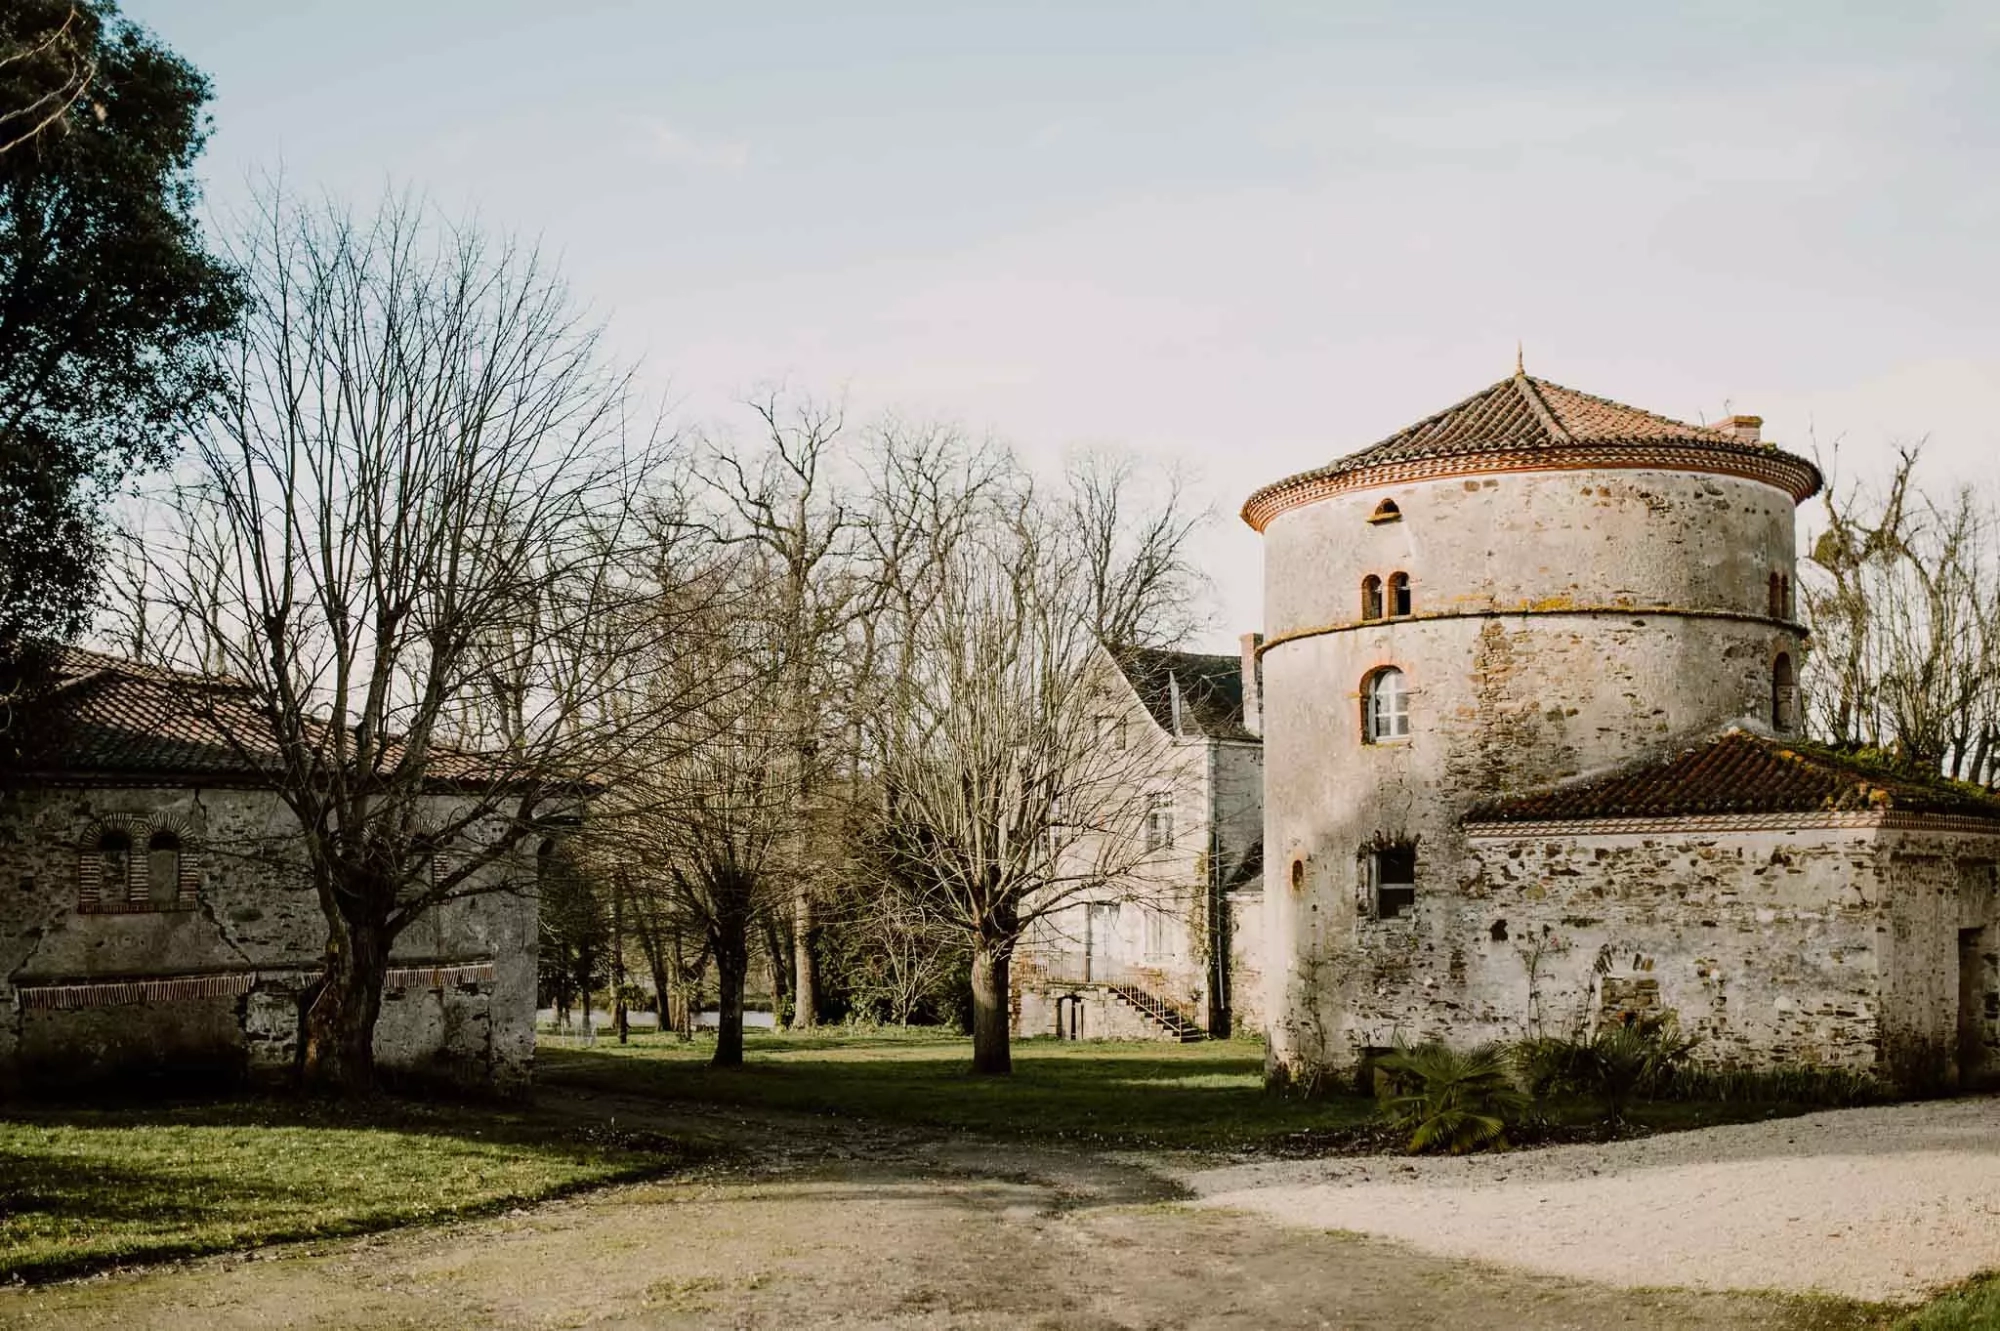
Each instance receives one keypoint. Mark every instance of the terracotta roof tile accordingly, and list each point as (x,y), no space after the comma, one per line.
(1523,417)
(1742,773)
(108,717)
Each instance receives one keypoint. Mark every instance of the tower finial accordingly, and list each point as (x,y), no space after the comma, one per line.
(1518,368)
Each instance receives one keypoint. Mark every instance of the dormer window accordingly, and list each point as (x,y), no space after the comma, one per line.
(1371,597)
(1386,511)
(1399,593)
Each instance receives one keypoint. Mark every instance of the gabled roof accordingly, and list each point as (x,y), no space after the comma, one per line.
(1742,773)
(1525,422)
(104,718)
(1210,688)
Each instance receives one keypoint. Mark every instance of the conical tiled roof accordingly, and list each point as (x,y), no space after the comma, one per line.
(1524,424)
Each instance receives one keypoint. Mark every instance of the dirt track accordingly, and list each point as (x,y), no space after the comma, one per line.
(1879,1203)
(844,1227)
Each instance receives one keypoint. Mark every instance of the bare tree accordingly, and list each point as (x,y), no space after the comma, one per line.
(409,535)
(1130,528)
(784,503)
(700,819)
(1902,592)
(999,805)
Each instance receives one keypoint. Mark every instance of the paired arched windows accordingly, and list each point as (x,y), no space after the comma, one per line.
(128,868)
(1784,693)
(1781,604)
(1385,706)
(1375,604)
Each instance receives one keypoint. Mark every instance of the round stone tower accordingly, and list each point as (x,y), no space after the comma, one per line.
(1529,586)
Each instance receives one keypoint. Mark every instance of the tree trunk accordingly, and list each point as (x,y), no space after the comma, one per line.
(732,960)
(991,1054)
(340,1023)
(805,973)
(779,956)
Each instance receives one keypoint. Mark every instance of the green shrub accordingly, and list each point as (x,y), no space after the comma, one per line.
(1452,1101)
(1798,1085)
(1624,1060)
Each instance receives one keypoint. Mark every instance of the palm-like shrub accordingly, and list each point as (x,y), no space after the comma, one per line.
(1452,1101)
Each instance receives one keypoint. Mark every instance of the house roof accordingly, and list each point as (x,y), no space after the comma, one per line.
(1743,773)
(107,718)
(1523,422)
(1210,687)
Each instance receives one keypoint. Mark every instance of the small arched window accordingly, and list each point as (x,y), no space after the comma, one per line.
(1386,511)
(1777,597)
(1785,601)
(1298,875)
(1385,707)
(163,870)
(1784,693)
(114,852)
(1399,593)
(1371,597)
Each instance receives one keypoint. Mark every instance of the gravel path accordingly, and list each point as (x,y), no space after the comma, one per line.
(1881,1203)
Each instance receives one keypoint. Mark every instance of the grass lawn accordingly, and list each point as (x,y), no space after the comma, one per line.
(1973,1306)
(1208,1095)
(83,1188)
(1144,1093)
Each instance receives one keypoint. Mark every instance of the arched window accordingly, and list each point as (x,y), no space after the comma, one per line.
(1784,693)
(114,852)
(1399,593)
(1789,606)
(1371,597)
(1298,875)
(163,870)
(1385,707)
(1777,602)
(1386,511)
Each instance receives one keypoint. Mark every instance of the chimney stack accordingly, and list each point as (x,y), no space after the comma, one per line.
(1253,690)
(1747,429)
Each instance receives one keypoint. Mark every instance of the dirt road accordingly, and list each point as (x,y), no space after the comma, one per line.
(1880,1203)
(820,1225)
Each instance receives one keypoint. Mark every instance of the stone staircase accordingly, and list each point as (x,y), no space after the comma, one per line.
(1170,1019)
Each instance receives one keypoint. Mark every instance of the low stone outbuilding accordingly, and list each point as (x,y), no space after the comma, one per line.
(156,916)
(1792,905)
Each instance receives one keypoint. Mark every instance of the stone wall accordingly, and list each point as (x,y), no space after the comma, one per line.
(106,978)
(1829,947)
(1562,623)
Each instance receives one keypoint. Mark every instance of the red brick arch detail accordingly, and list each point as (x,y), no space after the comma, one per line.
(90,861)
(187,881)
(1795,476)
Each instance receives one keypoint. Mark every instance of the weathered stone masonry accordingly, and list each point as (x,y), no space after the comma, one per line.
(1592,590)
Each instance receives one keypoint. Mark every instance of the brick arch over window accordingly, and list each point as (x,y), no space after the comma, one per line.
(136,845)
(109,872)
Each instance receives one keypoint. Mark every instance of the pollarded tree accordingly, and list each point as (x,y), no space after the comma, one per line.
(110,306)
(412,532)
(700,818)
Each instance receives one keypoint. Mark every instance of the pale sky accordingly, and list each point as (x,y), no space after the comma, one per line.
(1246,237)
